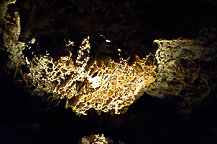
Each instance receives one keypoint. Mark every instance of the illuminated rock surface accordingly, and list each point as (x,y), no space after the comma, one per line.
(180,65)
(98,57)
(95,139)
(101,84)
(106,85)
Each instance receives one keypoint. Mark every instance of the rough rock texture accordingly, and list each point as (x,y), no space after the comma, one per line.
(10,36)
(103,85)
(178,107)
(86,82)
(181,70)
(95,81)
(95,139)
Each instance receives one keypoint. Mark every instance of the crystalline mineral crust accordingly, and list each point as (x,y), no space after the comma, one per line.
(85,82)
(96,139)
(103,85)
(108,85)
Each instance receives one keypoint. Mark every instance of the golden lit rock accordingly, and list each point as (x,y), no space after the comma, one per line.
(96,139)
(108,86)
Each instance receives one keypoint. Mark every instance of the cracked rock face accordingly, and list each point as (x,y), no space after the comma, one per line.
(180,63)
(181,70)
(55,59)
